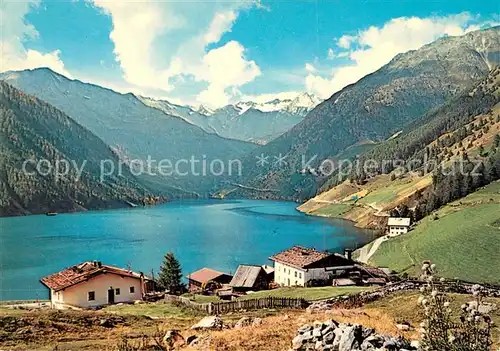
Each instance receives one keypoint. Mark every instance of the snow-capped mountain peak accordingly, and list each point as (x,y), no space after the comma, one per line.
(203,110)
(301,104)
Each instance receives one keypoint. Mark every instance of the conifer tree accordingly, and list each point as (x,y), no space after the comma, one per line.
(169,277)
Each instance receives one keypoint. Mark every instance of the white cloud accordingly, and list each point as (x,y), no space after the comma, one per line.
(221,23)
(225,67)
(372,48)
(159,44)
(345,41)
(310,68)
(15,31)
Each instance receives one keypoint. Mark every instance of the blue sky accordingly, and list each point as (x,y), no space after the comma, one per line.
(214,53)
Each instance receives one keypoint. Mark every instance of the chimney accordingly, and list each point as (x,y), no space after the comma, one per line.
(348,254)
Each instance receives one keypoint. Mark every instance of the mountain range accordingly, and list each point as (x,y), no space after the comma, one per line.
(246,120)
(382,107)
(369,111)
(135,131)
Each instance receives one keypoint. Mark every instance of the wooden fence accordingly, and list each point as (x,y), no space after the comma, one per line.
(238,305)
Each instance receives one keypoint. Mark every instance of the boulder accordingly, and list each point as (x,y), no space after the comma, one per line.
(210,322)
(243,322)
(403,326)
(347,339)
(333,336)
(297,342)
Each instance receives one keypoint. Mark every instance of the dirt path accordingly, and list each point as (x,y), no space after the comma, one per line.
(366,253)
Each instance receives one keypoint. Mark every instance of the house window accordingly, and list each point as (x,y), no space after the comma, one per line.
(117,291)
(132,289)
(91,296)
(300,275)
(295,274)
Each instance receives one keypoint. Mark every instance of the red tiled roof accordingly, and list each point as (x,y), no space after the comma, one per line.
(205,275)
(299,256)
(81,273)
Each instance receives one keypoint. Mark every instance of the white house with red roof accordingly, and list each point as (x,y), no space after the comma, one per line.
(298,266)
(91,284)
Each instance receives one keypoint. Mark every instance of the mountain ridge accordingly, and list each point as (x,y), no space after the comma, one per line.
(374,108)
(245,120)
(33,130)
(125,123)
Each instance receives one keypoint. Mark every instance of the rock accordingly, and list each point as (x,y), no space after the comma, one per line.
(316,333)
(318,324)
(328,337)
(486,307)
(331,336)
(366,332)
(243,322)
(326,330)
(256,322)
(347,339)
(297,342)
(308,335)
(173,338)
(305,328)
(210,322)
(403,326)
(138,302)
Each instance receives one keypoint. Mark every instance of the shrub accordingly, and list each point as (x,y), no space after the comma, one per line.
(440,331)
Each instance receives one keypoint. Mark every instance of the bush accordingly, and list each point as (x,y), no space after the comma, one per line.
(439,330)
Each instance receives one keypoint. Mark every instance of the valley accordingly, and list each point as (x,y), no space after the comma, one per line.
(406,112)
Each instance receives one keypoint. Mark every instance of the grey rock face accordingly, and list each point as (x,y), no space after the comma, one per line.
(330,335)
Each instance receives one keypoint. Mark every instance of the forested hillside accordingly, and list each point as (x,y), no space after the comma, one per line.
(31,129)
(443,174)
(375,108)
(449,153)
(133,129)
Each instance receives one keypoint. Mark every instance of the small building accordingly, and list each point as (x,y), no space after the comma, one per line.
(250,278)
(201,279)
(91,284)
(269,270)
(300,266)
(398,226)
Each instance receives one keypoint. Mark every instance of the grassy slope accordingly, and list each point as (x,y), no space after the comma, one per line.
(464,242)
(72,330)
(375,199)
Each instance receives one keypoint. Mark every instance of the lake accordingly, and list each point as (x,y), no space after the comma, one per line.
(212,233)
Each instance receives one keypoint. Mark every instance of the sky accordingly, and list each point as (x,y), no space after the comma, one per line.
(219,52)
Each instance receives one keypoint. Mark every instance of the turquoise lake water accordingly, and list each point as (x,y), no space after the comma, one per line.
(213,233)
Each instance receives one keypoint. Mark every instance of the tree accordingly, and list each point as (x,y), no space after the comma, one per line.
(496,141)
(169,277)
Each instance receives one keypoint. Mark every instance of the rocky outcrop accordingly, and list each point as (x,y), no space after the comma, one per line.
(358,300)
(334,336)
